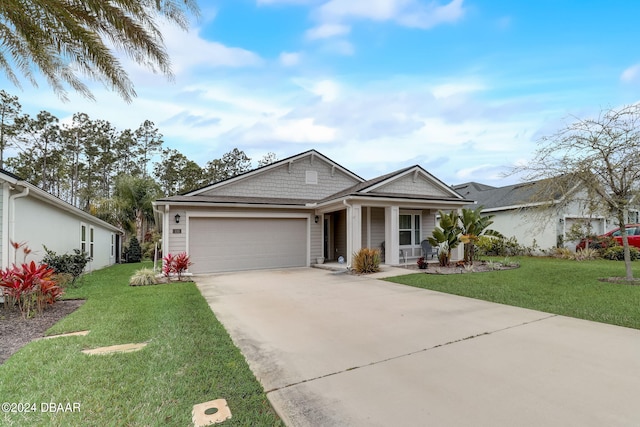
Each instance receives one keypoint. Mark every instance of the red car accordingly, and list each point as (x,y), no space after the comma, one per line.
(633,234)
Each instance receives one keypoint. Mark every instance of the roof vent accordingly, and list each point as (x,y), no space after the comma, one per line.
(311,177)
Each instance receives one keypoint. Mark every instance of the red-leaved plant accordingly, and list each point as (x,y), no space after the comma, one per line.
(176,265)
(30,286)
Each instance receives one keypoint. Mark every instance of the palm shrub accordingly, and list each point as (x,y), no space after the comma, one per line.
(366,260)
(474,225)
(445,236)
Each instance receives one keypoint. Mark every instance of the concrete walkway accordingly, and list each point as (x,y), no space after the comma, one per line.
(332,349)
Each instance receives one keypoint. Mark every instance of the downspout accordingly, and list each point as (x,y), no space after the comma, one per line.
(155,255)
(12,216)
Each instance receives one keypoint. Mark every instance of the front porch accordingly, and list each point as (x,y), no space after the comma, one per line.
(396,230)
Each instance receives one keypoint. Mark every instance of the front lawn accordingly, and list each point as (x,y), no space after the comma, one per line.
(565,287)
(189,359)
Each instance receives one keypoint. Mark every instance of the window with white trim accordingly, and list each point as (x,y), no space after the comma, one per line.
(83,238)
(91,234)
(113,245)
(409,225)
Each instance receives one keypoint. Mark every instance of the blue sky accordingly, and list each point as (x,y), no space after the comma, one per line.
(464,88)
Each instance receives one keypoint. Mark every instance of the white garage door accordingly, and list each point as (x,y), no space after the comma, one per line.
(231,244)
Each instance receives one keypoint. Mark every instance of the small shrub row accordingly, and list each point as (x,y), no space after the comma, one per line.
(366,260)
(579,255)
(492,246)
(616,253)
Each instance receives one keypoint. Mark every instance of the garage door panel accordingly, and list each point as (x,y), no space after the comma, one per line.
(230,244)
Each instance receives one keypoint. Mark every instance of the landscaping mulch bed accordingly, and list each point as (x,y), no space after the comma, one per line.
(478,267)
(16,332)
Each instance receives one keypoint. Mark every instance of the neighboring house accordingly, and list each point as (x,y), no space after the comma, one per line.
(519,212)
(297,210)
(36,218)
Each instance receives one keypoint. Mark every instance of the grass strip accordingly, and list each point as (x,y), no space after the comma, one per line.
(565,287)
(190,359)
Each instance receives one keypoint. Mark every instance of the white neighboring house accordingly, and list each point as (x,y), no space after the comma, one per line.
(518,214)
(32,216)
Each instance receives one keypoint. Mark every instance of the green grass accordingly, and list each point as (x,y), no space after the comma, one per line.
(190,359)
(565,287)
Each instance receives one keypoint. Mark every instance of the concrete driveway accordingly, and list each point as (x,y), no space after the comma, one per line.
(340,350)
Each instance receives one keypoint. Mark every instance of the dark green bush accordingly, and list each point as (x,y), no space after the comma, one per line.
(134,254)
(616,253)
(72,264)
(491,246)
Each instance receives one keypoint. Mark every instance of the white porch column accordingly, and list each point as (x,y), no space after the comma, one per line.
(458,253)
(354,230)
(392,235)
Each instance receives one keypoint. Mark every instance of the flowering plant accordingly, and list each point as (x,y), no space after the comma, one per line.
(176,264)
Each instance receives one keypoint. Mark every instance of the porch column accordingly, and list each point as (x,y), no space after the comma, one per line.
(392,235)
(354,230)
(458,253)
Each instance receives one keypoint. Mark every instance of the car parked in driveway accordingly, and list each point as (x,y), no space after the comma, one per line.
(633,234)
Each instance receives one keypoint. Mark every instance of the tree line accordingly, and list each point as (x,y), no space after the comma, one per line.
(110,173)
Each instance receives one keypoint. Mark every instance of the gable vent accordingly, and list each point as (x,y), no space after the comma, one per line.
(311,177)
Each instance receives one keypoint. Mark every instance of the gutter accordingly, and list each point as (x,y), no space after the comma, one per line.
(12,220)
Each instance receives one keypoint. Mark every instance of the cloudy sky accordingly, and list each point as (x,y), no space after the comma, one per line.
(464,88)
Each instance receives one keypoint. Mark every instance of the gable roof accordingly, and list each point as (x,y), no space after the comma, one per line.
(508,197)
(273,165)
(384,186)
(40,194)
(369,187)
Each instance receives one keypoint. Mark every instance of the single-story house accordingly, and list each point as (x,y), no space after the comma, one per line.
(519,212)
(31,216)
(302,210)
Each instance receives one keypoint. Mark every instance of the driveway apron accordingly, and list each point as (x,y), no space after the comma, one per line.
(342,350)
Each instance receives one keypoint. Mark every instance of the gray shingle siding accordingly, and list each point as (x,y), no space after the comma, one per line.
(289,181)
(419,186)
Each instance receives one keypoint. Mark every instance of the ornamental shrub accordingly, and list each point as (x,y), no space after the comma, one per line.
(616,253)
(67,263)
(366,261)
(176,265)
(29,286)
(134,254)
(143,277)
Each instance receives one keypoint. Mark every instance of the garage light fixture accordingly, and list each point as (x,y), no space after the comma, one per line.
(177,217)
(317,218)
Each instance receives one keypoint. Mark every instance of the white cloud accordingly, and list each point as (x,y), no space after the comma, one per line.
(269,2)
(290,59)
(304,130)
(328,90)
(450,89)
(410,13)
(324,31)
(188,50)
(631,74)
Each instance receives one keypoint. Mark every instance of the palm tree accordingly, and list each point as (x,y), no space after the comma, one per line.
(132,199)
(445,236)
(474,225)
(62,38)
